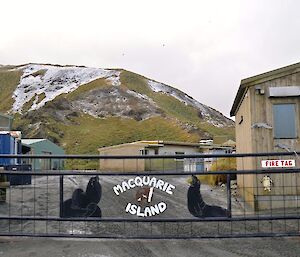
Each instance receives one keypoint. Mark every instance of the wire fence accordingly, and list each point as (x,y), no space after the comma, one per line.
(157,196)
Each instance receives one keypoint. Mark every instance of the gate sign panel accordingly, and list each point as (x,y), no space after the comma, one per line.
(278,163)
(146,186)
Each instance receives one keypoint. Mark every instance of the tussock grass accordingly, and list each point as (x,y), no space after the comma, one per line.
(219,165)
(8,83)
(41,72)
(135,83)
(98,83)
(89,133)
(171,106)
(41,96)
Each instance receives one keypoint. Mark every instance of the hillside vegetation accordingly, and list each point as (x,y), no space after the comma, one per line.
(113,107)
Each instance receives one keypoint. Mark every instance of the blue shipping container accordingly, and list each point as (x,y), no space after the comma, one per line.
(7,146)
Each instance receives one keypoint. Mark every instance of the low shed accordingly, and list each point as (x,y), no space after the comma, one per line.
(147,148)
(44,147)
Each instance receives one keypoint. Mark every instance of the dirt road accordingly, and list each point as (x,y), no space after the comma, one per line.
(262,247)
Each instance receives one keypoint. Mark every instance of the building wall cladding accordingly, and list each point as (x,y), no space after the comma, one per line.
(256,134)
(122,165)
(136,148)
(170,164)
(244,145)
(45,147)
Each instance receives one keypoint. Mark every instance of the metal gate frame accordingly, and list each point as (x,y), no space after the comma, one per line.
(230,219)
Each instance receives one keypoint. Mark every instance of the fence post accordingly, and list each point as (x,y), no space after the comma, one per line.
(61,195)
(228,195)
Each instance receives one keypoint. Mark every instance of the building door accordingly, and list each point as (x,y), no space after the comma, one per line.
(46,163)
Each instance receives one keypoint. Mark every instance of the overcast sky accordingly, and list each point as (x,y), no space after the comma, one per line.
(203,48)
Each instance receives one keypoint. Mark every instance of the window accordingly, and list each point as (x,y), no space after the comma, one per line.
(144,152)
(284,121)
(179,158)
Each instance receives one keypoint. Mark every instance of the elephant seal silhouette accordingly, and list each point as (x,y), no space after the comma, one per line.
(196,205)
(84,204)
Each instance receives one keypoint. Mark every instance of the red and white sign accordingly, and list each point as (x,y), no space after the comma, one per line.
(278,163)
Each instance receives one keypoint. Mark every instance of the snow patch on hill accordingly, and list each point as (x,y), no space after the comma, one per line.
(182,97)
(116,102)
(42,83)
(207,113)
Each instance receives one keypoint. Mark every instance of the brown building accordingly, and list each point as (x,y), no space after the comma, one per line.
(267,116)
(158,148)
(146,148)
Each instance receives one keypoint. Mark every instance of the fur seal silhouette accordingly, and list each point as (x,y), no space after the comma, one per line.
(84,204)
(196,205)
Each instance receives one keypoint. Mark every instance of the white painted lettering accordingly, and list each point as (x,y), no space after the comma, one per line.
(139,213)
(162,207)
(148,212)
(146,180)
(159,184)
(154,209)
(133,209)
(128,207)
(138,181)
(169,189)
(117,188)
(165,186)
(125,186)
(131,183)
(152,182)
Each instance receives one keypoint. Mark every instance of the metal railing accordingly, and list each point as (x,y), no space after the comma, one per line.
(153,196)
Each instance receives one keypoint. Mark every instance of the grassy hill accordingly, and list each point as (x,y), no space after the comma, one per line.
(151,115)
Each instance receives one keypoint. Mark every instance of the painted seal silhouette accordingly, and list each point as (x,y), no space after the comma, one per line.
(84,204)
(196,205)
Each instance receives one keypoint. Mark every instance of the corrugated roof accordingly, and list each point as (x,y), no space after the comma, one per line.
(254,80)
(155,143)
(229,143)
(6,116)
(32,141)
(176,143)
(121,145)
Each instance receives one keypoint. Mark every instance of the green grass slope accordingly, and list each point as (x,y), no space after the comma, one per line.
(9,80)
(79,133)
(171,106)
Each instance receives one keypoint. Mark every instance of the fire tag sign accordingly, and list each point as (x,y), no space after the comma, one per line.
(278,163)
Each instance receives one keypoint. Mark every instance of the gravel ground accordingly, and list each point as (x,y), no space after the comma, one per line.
(262,247)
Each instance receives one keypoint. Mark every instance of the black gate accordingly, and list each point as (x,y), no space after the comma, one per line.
(157,196)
